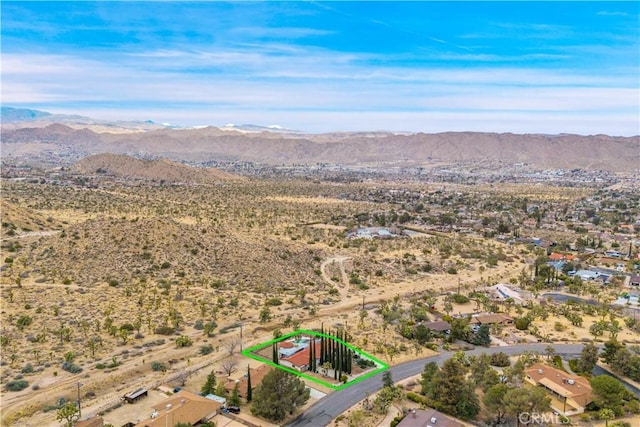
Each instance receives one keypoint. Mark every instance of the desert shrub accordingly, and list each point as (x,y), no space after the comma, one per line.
(8,260)
(452,270)
(460,299)
(230,327)
(206,349)
(127,327)
(164,330)
(35,387)
(499,359)
(158,367)
(71,367)
(559,327)
(397,420)
(23,321)
(414,397)
(100,366)
(522,323)
(114,283)
(183,341)
(198,325)
(28,369)
(273,302)
(365,363)
(165,265)
(16,385)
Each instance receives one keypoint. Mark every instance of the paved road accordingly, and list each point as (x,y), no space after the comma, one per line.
(325,410)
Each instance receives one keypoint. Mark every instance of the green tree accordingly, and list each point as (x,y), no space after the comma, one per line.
(610,349)
(387,380)
(610,393)
(68,414)
(448,385)
(606,414)
(494,400)
(588,358)
(482,337)
(429,372)
(479,367)
(249,388)
(468,405)
(526,399)
(234,399)
(279,394)
(221,390)
(209,386)
(265,314)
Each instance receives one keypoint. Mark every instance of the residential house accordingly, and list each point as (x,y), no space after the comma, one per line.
(182,407)
(428,418)
(491,319)
(570,394)
(587,275)
(91,422)
(300,360)
(257,375)
(554,256)
(438,326)
(634,280)
(504,292)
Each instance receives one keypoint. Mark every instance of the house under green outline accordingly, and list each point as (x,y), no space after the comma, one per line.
(249,352)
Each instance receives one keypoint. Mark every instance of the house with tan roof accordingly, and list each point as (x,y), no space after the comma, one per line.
(182,407)
(491,319)
(91,422)
(428,418)
(570,394)
(257,375)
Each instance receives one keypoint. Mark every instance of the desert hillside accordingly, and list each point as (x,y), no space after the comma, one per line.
(60,143)
(130,168)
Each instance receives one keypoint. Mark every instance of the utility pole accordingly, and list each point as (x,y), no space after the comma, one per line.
(240,337)
(79,408)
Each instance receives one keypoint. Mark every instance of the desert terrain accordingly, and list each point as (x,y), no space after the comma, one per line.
(121,273)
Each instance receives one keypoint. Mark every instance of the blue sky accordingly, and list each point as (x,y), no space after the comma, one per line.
(545,67)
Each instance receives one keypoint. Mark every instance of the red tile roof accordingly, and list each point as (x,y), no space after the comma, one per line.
(301,358)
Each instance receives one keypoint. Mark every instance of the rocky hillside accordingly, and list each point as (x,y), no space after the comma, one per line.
(59,143)
(129,168)
(99,250)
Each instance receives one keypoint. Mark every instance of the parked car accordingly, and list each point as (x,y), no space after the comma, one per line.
(233,409)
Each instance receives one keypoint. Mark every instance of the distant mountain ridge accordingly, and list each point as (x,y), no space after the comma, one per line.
(11,115)
(61,143)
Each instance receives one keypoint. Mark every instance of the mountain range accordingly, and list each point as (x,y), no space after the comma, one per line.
(65,140)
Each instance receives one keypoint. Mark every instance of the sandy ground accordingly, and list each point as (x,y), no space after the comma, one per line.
(133,373)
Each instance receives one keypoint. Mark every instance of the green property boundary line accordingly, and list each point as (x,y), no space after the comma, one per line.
(249,353)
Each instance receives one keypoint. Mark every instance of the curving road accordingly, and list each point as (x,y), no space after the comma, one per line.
(326,409)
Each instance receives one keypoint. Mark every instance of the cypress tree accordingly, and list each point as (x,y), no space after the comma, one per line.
(249,391)
(313,361)
(321,344)
(275,353)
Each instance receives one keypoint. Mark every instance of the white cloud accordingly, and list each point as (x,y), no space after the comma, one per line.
(341,95)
